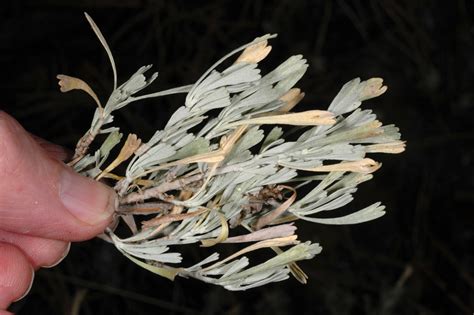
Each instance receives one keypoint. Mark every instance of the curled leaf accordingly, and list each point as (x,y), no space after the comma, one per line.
(362,166)
(295,270)
(222,236)
(281,241)
(168,272)
(131,145)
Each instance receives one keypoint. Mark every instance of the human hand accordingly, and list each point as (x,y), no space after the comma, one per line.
(44,205)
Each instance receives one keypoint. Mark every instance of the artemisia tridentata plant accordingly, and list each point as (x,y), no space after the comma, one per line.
(211,180)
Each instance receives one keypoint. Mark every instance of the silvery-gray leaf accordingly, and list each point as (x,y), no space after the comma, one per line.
(237,88)
(281,275)
(236,74)
(157,136)
(287,83)
(240,158)
(291,65)
(217,98)
(175,131)
(340,151)
(198,90)
(142,235)
(217,185)
(144,248)
(185,140)
(251,138)
(347,99)
(233,266)
(274,135)
(359,117)
(279,149)
(85,162)
(236,266)
(170,258)
(261,96)
(327,203)
(93,172)
(155,155)
(209,125)
(298,164)
(350,180)
(231,190)
(280,177)
(319,189)
(209,259)
(196,146)
(372,212)
(110,142)
(137,81)
(295,253)
(271,145)
(266,108)
(180,114)
(390,133)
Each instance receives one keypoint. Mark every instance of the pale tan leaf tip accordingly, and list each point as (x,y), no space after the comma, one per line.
(394,147)
(291,99)
(373,87)
(254,53)
(67,83)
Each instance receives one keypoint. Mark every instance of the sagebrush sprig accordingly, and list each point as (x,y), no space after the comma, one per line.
(201,176)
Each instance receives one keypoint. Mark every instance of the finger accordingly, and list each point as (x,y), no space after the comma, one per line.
(41,252)
(16,275)
(41,196)
(54,150)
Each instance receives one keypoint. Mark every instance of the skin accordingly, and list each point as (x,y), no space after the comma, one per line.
(44,206)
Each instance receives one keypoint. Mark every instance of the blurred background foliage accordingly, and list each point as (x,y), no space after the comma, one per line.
(414,260)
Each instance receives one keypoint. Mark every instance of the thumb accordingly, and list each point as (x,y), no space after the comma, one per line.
(41,196)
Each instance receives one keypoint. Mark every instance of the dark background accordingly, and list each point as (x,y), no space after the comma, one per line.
(414,260)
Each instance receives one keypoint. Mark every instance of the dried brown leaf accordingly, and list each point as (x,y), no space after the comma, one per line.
(68,83)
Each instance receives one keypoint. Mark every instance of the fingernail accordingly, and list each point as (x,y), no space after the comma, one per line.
(66,252)
(29,287)
(89,201)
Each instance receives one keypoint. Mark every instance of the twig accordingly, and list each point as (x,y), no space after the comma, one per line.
(268,218)
(145,208)
(156,192)
(77,302)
